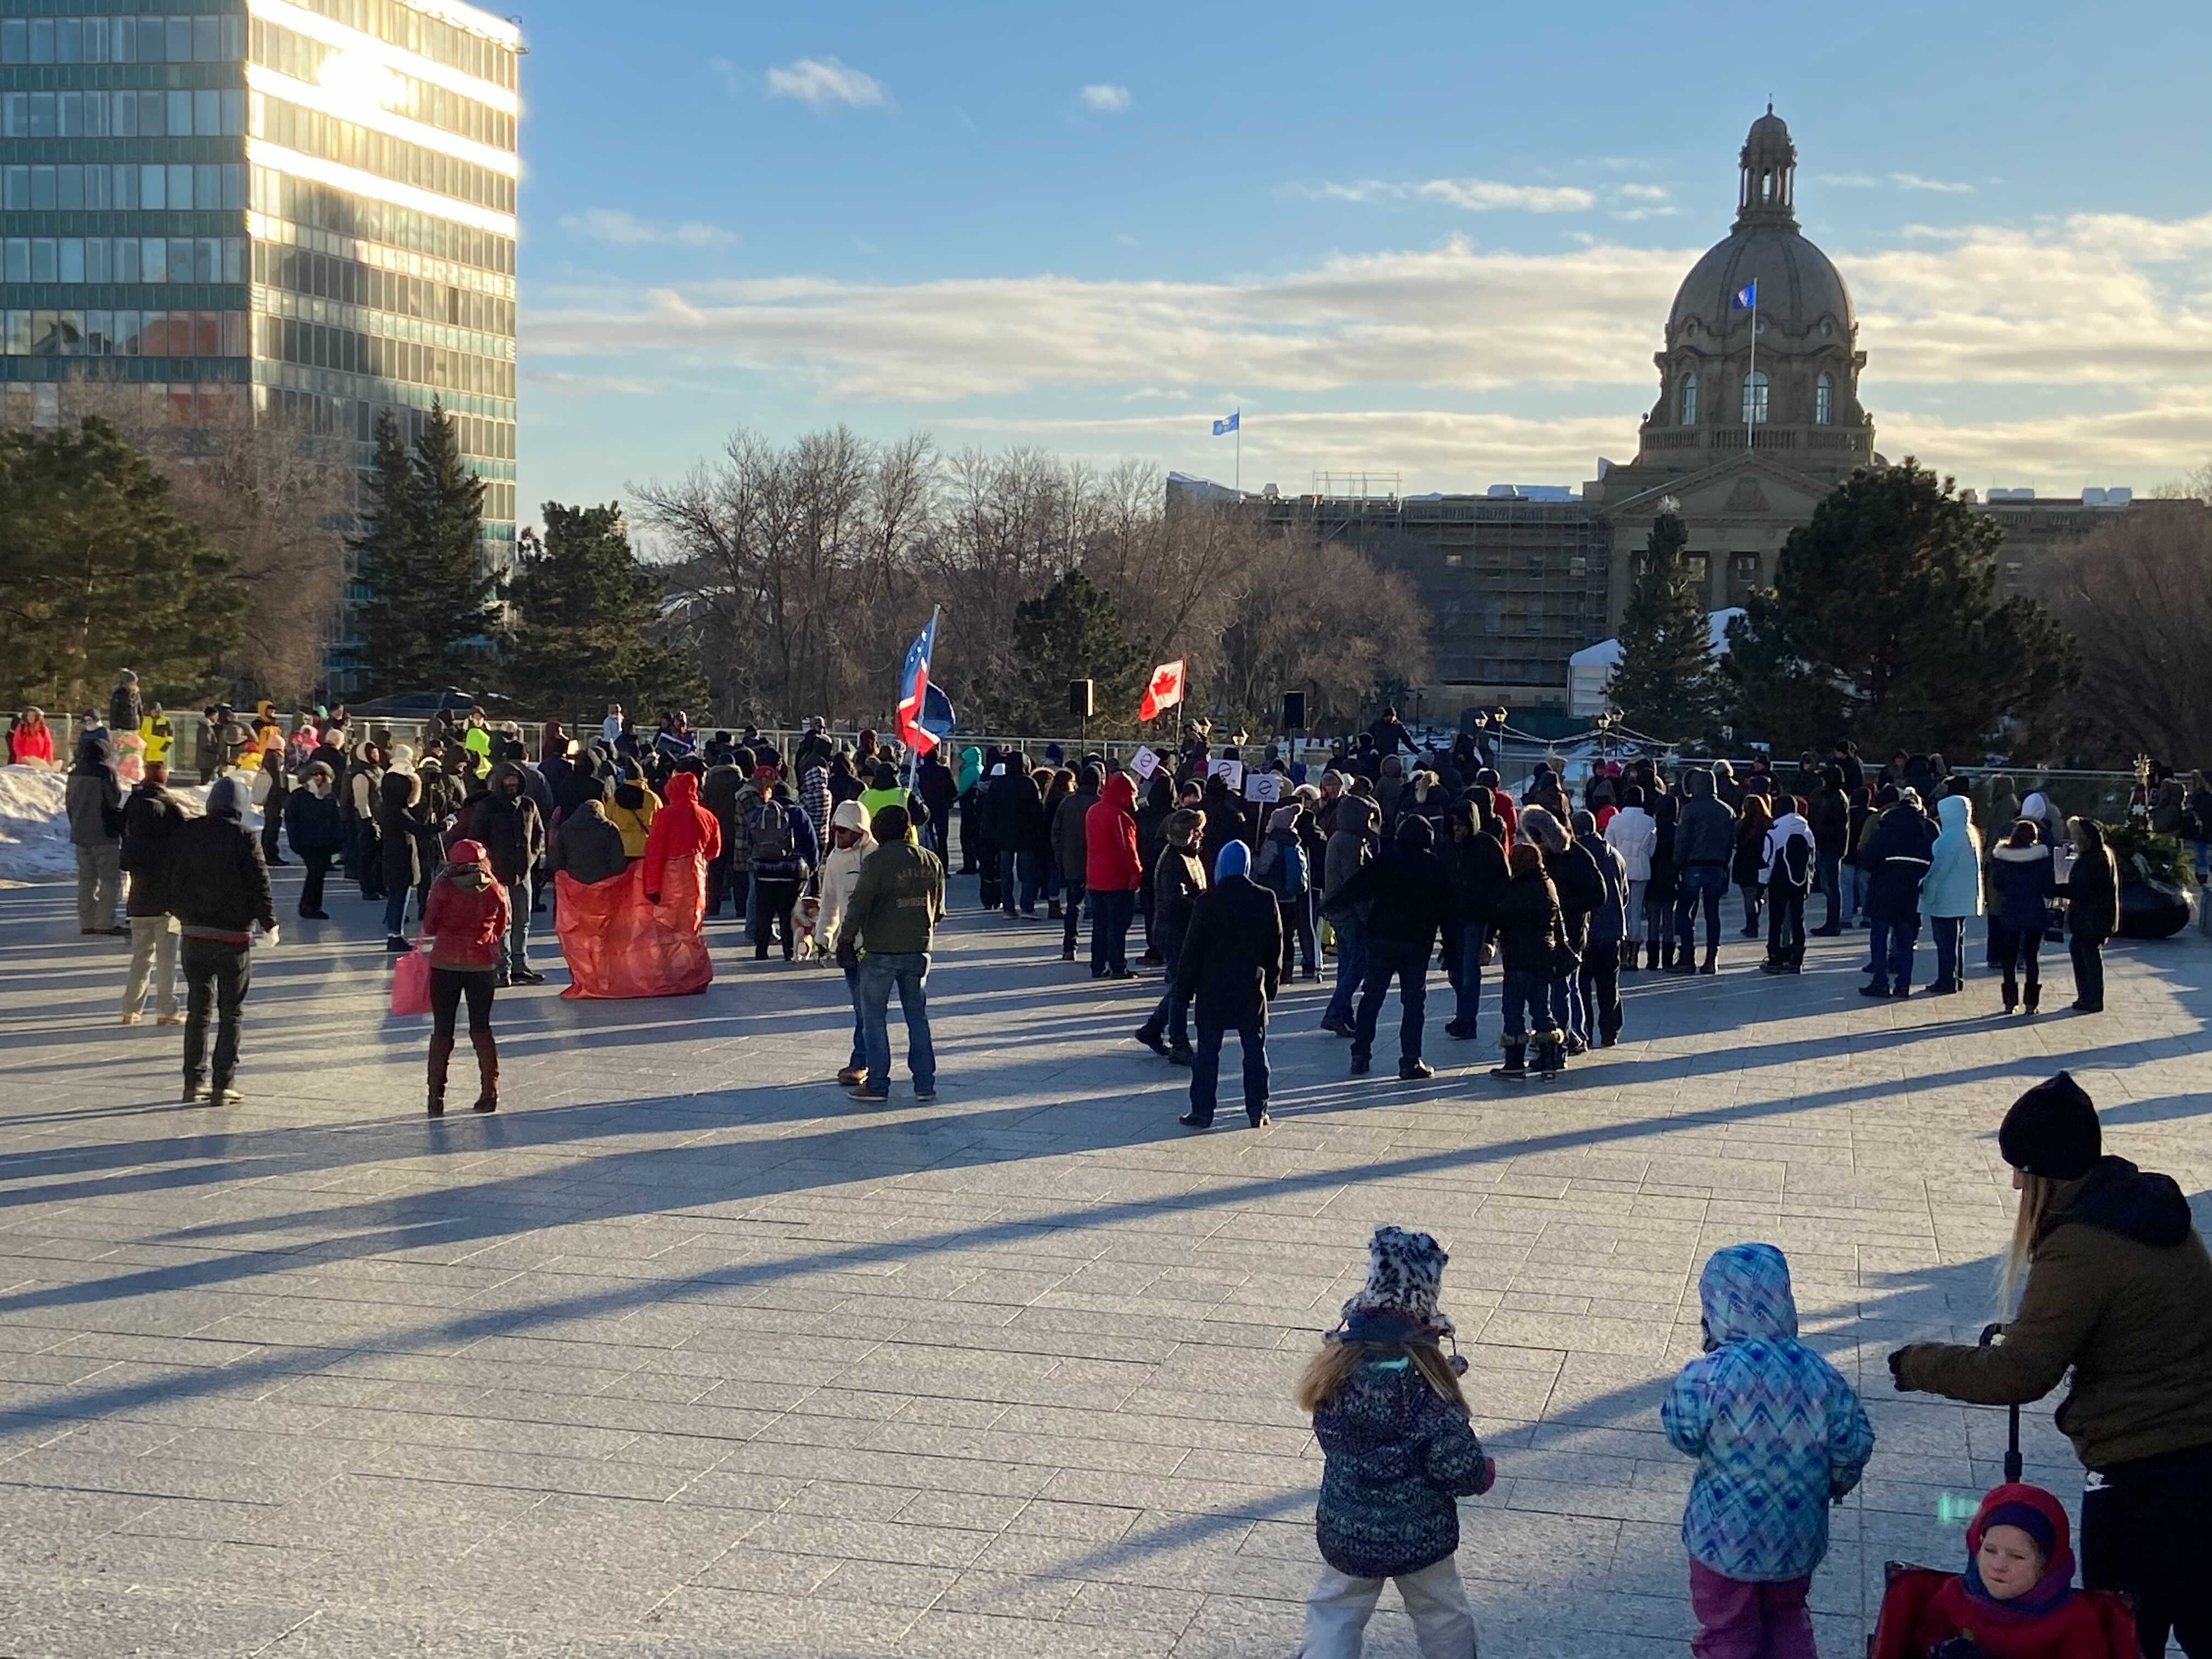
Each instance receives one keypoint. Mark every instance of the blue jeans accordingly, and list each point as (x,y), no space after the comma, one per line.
(1351,966)
(1855,891)
(395,910)
(1171,1015)
(518,924)
(1110,914)
(1463,954)
(1205,1068)
(910,971)
(1890,955)
(1523,1006)
(859,1025)
(1711,882)
(1563,991)
(1409,965)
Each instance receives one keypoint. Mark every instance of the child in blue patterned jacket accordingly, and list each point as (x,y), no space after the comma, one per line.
(1779,1436)
(1400,1453)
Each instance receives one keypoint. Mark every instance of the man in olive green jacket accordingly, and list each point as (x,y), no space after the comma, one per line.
(895,908)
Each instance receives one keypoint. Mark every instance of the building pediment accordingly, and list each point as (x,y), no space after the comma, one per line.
(1742,486)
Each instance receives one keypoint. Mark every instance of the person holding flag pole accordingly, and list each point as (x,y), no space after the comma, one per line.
(913,693)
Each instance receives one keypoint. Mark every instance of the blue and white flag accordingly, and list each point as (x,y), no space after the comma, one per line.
(1229,425)
(1746,298)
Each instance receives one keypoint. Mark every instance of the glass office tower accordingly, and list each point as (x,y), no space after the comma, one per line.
(307,204)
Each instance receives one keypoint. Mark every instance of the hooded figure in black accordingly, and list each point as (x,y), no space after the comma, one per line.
(1898,852)
(1474,858)
(1231,968)
(1408,895)
(506,821)
(218,890)
(399,823)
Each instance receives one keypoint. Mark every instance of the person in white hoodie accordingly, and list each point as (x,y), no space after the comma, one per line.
(1786,865)
(850,843)
(1634,833)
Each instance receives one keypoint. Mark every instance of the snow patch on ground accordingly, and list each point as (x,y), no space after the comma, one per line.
(34,842)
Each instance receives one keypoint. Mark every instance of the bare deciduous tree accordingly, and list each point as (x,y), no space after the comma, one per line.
(2137,599)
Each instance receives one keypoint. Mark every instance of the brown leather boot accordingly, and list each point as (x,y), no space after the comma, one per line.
(487,1048)
(441,1050)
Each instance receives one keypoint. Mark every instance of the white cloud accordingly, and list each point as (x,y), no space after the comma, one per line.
(622,229)
(1106,99)
(2081,347)
(1474,195)
(1645,192)
(1895,181)
(819,82)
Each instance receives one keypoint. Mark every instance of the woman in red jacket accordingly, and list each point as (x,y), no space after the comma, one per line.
(466,921)
(1111,876)
(31,740)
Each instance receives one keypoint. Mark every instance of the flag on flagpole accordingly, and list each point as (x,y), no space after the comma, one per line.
(914,691)
(1745,298)
(1222,428)
(1163,690)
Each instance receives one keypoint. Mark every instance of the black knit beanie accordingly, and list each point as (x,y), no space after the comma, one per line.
(2051,1131)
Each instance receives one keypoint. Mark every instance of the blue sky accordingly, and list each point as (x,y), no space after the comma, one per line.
(1438,239)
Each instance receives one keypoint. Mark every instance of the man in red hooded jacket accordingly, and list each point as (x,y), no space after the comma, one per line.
(1111,875)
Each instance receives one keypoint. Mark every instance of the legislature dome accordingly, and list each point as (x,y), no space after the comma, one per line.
(1717,386)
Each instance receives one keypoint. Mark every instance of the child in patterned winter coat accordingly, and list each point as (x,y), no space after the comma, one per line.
(1779,1436)
(1392,1427)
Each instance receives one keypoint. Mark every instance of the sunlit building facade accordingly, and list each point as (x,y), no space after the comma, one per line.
(307,204)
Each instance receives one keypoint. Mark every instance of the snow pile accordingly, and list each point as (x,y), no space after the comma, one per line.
(34,842)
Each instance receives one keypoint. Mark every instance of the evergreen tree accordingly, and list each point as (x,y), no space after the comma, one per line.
(1665,683)
(587,621)
(419,552)
(97,573)
(1073,632)
(1884,626)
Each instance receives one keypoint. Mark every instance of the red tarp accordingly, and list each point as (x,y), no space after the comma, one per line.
(618,946)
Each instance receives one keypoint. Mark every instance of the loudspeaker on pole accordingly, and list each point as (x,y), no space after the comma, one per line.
(1078,698)
(1294,711)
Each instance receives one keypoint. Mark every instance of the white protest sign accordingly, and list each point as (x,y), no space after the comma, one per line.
(1143,763)
(1263,786)
(1231,773)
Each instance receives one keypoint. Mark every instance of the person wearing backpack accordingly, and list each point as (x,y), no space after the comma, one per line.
(1284,872)
(780,841)
(1786,866)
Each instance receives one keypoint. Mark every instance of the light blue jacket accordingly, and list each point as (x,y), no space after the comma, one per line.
(1953,885)
(1778,1433)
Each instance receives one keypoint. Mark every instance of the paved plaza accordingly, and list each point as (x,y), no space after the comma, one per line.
(687,1353)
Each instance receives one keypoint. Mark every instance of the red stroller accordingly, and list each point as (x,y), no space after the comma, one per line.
(2102,1621)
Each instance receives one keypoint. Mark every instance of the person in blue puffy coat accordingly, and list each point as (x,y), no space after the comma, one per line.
(1951,891)
(1779,1436)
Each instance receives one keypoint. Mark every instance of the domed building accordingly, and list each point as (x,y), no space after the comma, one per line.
(1757,415)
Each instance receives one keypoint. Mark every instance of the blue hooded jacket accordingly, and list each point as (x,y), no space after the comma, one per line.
(1777,1431)
(1953,885)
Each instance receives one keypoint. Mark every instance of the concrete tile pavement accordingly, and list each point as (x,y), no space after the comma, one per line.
(685,1353)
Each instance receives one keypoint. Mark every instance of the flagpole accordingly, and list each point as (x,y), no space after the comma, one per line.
(1753,373)
(1240,452)
(914,750)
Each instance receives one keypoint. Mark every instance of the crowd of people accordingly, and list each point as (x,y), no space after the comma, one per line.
(1239,874)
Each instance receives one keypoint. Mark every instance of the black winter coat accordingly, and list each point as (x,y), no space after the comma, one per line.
(151,819)
(1232,956)
(510,827)
(1526,923)
(1016,814)
(312,823)
(217,882)
(1896,857)
(1580,886)
(398,821)
(1832,822)
(2092,896)
(1409,896)
(1476,865)
(1178,884)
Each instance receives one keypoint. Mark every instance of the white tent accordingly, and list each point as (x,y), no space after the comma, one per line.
(1589,668)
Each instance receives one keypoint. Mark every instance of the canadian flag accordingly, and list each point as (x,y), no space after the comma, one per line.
(1162,691)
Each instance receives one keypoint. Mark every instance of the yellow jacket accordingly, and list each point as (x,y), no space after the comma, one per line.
(158,736)
(635,824)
